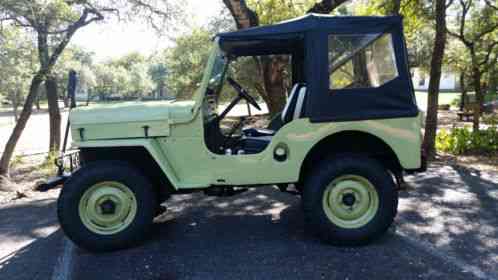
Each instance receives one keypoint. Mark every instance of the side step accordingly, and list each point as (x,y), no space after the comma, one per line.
(285,188)
(224,191)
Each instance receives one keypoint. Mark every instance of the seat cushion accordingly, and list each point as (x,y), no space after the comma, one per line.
(288,112)
(258,132)
(254,145)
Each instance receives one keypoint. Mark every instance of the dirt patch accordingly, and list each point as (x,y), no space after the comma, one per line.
(26,173)
(476,162)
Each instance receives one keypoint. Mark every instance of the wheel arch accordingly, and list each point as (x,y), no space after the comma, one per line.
(351,142)
(143,157)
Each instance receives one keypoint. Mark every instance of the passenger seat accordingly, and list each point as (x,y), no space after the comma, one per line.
(256,140)
(293,110)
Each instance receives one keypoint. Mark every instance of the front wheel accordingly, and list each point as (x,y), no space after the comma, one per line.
(106,206)
(350,200)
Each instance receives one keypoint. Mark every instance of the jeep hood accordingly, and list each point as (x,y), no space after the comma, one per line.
(128,119)
(127,112)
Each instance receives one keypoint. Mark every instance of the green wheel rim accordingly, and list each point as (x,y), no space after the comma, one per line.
(107,207)
(350,201)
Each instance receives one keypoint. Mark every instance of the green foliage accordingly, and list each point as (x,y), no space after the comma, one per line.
(490,119)
(460,141)
(16,64)
(16,161)
(455,102)
(272,11)
(186,62)
(158,73)
(418,28)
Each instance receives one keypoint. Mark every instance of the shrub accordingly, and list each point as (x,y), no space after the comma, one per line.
(490,119)
(455,102)
(462,141)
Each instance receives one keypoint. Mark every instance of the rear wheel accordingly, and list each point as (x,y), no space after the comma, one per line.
(350,200)
(106,206)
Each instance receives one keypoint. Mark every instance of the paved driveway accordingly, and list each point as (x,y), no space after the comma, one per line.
(446,229)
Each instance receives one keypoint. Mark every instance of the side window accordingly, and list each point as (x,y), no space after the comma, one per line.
(361,61)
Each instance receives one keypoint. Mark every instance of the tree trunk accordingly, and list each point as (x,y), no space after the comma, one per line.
(396,6)
(435,77)
(15,98)
(463,89)
(37,103)
(272,70)
(360,71)
(274,83)
(66,101)
(493,78)
(476,76)
(161,90)
(20,125)
(54,113)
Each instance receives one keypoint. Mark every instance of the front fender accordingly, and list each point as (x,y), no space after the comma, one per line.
(152,147)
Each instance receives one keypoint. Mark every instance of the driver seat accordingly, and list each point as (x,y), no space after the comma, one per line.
(256,140)
(293,110)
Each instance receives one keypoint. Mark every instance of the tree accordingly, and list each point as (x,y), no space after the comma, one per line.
(158,74)
(457,59)
(54,22)
(140,82)
(493,76)
(477,29)
(435,77)
(186,62)
(271,69)
(15,65)
(77,59)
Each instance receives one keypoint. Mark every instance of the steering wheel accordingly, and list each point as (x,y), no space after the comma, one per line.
(243,93)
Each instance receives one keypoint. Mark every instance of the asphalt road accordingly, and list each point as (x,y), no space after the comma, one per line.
(446,229)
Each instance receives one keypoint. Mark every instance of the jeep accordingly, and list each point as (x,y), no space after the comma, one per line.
(349,131)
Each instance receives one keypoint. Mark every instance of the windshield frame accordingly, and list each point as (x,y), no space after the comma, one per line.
(216,54)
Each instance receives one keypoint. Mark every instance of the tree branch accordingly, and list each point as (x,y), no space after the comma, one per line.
(489,51)
(486,31)
(244,17)
(488,3)
(81,22)
(461,28)
(325,6)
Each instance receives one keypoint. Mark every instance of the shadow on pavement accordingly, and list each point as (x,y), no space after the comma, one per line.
(29,240)
(261,234)
(258,235)
(456,209)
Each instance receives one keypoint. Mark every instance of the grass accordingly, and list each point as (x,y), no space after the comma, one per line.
(447,98)
(444,98)
(16,161)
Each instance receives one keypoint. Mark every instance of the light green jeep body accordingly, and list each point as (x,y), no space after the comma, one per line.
(350,126)
(175,140)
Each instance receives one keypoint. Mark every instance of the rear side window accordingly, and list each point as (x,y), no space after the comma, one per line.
(361,60)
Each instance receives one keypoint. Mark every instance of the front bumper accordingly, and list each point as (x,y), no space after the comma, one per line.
(66,165)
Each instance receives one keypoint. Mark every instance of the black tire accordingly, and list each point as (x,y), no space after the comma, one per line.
(314,190)
(91,174)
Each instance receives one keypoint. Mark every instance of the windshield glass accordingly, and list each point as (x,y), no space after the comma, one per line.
(218,72)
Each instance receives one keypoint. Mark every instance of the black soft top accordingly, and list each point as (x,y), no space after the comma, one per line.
(305,39)
(310,22)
